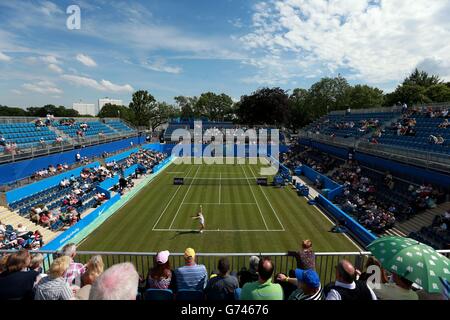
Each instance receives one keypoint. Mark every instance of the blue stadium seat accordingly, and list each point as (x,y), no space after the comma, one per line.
(158,295)
(190,295)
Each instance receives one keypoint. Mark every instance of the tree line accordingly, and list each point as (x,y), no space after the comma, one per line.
(265,106)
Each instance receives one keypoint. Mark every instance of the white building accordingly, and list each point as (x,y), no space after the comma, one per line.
(102,102)
(86,108)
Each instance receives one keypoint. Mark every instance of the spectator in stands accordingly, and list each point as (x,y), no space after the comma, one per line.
(94,268)
(223,285)
(191,276)
(251,274)
(160,276)
(346,287)
(433,139)
(120,282)
(263,289)
(37,262)
(305,257)
(78,157)
(373,264)
(399,289)
(54,287)
(73,274)
(307,283)
(16,283)
(2,141)
(2,228)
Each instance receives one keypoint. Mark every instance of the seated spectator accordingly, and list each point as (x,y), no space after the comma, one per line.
(73,273)
(445,124)
(399,289)
(346,287)
(2,228)
(94,268)
(120,282)
(305,256)
(251,274)
(37,262)
(54,287)
(373,264)
(21,230)
(191,276)
(16,282)
(308,285)
(263,289)
(160,276)
(223,285)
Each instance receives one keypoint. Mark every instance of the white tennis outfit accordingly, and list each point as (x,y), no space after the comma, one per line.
(202,219)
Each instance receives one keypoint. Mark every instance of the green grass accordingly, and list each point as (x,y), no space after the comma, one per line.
(240,217)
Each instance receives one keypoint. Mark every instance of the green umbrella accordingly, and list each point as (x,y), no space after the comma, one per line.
(412,260)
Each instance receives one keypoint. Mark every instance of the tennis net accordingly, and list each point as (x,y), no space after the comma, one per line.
(218,181)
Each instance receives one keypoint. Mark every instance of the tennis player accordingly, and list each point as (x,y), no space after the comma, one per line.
(201,219)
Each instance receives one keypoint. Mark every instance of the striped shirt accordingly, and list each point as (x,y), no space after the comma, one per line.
(53,289)
(191,277)
(298,294)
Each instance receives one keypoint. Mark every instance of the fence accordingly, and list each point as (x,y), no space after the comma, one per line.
(325,261)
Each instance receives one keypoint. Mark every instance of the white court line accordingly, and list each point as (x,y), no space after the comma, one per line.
(270,204)
(219,230)
(182,201)
(222,203)
(170,201)
(264,220)
(220,186)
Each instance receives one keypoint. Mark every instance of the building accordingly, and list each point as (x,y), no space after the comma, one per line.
(86,108)
(102,102)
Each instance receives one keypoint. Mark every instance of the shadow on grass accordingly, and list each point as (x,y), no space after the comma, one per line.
(181,233)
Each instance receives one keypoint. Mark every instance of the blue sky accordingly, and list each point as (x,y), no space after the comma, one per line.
(186,47)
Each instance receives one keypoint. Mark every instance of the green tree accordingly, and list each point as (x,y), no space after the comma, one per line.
(363,96)
(328,94)
(215,107)
(142,106)
(264,106)
(12,112)
(161,114)
(438,92)
(114,111)
(186,106)
(421,78)
(298,110)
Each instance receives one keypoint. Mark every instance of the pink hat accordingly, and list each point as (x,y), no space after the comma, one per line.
(162,257)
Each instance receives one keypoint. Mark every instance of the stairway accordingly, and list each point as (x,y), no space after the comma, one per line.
(420,220)
(9,217)
(61,134)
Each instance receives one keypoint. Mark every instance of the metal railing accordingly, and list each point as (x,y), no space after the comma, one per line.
(32,152)
(368,110)
(283,263)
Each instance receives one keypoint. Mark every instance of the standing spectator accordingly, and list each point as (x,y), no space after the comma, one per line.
(94,268)
(120,282)
(251,274)
(263,289)
(16,283)
(75,270)
(78,157)
(54,287)
(399,289)
(222,286)
(308,285)
(346,286)
(305,257)
(160,276)
(191,276)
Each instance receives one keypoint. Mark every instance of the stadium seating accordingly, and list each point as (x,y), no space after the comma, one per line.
(158,295)
(94,128)
(424,128)
(190,295)
(119,126)
(26,134)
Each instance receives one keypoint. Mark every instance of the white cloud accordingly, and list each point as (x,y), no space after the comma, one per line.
(4,57)
(378,41)
(50,59)
(55,68)
(160,65)
(86,60)
(43,87)
(103,85)
(49,8)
